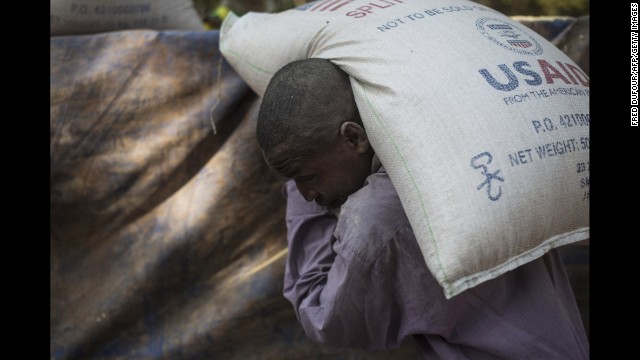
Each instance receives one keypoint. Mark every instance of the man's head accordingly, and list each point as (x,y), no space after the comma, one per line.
(309,130)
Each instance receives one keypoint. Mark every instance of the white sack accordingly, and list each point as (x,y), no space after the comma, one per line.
(482,124)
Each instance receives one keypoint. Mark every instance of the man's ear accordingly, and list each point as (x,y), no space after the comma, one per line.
(355,136)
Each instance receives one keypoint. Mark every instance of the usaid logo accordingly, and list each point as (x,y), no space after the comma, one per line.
(508,36)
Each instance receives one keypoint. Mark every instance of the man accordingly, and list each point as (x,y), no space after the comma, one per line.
(358,279)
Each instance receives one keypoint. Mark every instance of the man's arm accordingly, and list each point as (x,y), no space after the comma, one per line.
(338,301)
(310,238)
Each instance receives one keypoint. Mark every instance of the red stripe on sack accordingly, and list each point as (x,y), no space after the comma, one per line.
(330,4)
(341,5)
(319,4)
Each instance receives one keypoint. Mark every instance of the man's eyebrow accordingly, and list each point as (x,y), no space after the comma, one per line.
(283,164)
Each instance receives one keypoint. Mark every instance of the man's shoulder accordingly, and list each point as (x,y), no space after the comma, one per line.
(376,198)
(371,217)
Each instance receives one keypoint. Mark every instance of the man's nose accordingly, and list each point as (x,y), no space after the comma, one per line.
(308,194)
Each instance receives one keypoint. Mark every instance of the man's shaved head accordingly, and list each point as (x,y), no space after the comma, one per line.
(305,101)
(310,131)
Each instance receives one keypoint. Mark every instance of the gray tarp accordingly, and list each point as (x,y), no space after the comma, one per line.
(167,238)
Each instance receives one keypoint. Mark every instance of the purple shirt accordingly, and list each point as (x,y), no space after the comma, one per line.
(359,280)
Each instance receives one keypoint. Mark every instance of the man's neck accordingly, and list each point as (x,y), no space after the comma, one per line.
(375,164)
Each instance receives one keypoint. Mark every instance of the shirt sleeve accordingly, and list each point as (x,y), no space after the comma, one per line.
(309,237)
(338,301)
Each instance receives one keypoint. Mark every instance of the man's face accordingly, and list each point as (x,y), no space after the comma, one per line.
(326,174)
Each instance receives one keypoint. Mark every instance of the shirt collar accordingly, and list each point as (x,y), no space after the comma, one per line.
(375,164)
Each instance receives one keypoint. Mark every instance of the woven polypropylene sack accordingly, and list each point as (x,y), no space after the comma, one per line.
(77,17)
(482,124)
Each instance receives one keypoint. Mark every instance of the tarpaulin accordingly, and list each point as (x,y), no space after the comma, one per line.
(167,236)
(167,233)
(569,34)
